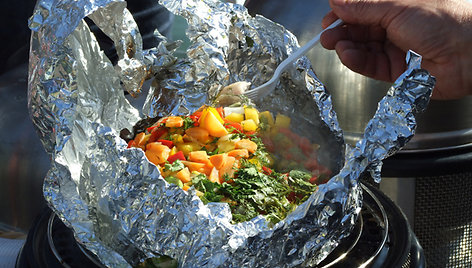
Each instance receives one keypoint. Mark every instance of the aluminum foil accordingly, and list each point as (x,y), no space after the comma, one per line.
(117,203)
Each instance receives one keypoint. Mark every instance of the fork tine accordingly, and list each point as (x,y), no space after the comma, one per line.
(266,88)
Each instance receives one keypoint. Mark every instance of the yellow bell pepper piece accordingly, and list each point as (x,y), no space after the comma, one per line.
(251,113)
(234,117)
(249,125)
(267,118)
(282,121)
(213,125)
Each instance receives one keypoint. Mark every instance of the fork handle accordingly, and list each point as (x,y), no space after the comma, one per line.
(304,49)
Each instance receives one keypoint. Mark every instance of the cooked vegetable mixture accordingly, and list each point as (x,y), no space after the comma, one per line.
(237,155)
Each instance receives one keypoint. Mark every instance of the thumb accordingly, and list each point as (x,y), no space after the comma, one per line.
(366,12)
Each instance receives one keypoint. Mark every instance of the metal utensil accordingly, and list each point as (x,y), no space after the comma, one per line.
(266,88)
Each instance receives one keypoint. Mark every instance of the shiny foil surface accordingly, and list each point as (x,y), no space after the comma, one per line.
(116,201)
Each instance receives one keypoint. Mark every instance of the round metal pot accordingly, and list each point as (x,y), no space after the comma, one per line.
(444,125)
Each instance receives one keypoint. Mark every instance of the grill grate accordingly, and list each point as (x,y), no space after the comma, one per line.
(443,219)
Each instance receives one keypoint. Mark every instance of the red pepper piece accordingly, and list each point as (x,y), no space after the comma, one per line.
(150,129)
(267,170)
(179,155)
(269,144)
(237,127)
(220,111)
(195,120)
(167,143)
(197,114)
(157,133)
(131,143)
(314,179)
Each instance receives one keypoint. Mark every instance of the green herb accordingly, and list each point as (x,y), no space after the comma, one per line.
(188,122)
(176,166)
(209,189)
(300,185)
(254,193)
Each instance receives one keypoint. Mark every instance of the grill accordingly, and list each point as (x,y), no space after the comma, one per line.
(442,205)
(443,219)
(381,238)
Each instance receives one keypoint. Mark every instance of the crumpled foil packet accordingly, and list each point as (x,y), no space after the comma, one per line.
(117,203)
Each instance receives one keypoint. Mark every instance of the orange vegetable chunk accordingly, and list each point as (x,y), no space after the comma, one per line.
(218,160)
(184,175)
(239,153)
(227,168)
(198,167)
(141,139)
(174,121)
(198,156)
(157,153)
(246,144)
(198,134)
(211,123)
(214,175)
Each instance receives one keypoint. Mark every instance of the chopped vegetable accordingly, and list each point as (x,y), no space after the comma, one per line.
(174,121)
(250,160)
(177,156)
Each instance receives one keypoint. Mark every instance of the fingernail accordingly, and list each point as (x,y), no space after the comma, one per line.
(338,2)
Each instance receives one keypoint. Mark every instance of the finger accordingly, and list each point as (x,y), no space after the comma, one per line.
(328,19)
(366,12)
(329,38)
(355,33)
(368,60)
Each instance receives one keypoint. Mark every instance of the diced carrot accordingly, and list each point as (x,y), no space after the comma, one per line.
(174,121)
(198,167)
(183,175)
(227,168)
(141,139)
(239,153)
(198,134)
(214,175)
(186,187)
(199,156)
(157,153)
(218,160)
(246,144)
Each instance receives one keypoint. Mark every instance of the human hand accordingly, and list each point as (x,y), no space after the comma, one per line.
(377,34)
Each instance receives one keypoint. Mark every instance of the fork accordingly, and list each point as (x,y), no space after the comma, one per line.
(267,88)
